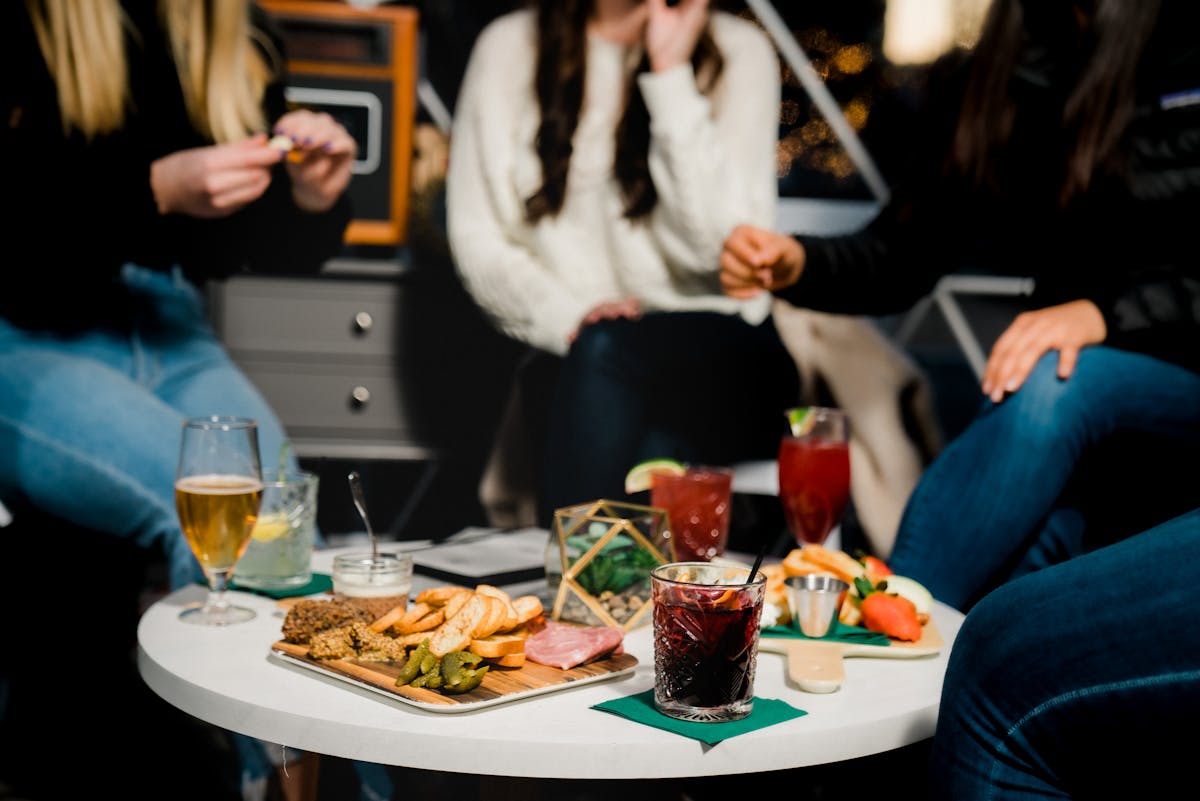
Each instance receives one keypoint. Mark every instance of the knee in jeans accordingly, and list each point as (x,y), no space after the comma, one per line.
(601,343)
(991,629)
(1044,401)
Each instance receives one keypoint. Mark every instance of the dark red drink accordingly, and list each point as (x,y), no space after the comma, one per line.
(697,504)
(814,485)
(705,643)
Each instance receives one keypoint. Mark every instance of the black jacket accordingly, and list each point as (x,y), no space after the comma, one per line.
(1128,244)
(79,210)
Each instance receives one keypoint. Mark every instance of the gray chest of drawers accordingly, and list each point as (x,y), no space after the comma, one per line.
(325,351)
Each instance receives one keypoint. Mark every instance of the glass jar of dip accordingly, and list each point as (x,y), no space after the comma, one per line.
(379,583)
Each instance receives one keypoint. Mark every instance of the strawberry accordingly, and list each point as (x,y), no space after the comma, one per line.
(875,567)
(889,614)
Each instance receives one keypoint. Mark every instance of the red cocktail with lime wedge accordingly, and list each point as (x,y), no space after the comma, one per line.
(697,504)
(814,477)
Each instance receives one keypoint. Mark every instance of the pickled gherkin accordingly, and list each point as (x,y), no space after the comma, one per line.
(455,667)
(430,679)
(412,668)
(469,680)
(453,673)
(456,670)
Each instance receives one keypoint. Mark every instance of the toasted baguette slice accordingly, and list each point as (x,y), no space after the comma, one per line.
(493,619)
(499,645)
(389,618)
(455,633)
(528,607)
(414,613)
(840,563)
(850,614)
(456,600)
(509,660)
(436,596)
(794,564)
(413,638)
(427,622)
(510,614)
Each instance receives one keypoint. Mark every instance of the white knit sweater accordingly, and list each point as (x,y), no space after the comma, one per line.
(712,160)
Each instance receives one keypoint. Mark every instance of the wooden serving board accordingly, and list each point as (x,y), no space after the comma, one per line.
(815,666)
(500,685)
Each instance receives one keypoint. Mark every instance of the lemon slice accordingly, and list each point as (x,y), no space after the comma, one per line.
(639,477)
(271,527)
(801,420)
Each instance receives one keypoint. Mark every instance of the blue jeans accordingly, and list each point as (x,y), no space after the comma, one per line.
(1079,681)
(90,423)
(698,387)
(989,507)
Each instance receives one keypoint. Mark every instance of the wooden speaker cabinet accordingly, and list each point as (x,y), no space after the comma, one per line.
(359,64)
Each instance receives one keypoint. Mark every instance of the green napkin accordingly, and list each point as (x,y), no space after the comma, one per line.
(839,632)
(320,582)
(640,709)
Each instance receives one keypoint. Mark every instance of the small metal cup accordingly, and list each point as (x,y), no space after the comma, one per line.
(815,600)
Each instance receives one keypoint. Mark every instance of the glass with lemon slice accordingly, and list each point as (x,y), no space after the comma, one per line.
(279,554)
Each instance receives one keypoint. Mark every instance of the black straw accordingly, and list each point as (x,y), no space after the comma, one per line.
(757,562)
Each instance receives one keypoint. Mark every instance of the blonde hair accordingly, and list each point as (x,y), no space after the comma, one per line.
(222,73)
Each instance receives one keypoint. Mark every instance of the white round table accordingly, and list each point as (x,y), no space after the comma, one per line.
(230,678)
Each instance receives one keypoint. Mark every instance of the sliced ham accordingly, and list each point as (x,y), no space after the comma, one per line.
(565,646)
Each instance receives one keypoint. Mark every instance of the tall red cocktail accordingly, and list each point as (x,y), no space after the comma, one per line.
(814,481)
(697,505)
(706,628)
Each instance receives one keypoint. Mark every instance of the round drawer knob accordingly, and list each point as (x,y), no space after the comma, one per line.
(359,397)
(363,322)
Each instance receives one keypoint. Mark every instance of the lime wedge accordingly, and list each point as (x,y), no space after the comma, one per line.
(271,527)
(801,419)
(638,479)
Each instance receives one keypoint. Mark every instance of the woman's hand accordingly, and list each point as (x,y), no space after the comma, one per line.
(320,160)
(1066,328)
(755,259)
(213,181)
(672,32)
(630,308)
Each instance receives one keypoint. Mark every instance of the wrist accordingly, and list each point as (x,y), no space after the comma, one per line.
(664,63)
(157,192)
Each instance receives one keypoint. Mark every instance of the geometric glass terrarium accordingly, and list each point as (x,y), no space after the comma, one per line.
(606,551)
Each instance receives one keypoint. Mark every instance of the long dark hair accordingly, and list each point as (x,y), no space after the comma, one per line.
(561,65)
(1102,41)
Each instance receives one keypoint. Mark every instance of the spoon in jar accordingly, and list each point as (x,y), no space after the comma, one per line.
(361,505)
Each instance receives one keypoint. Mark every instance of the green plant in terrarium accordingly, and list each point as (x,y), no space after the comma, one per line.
(619,565)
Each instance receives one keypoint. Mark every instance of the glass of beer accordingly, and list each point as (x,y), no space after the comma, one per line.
(218,489)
